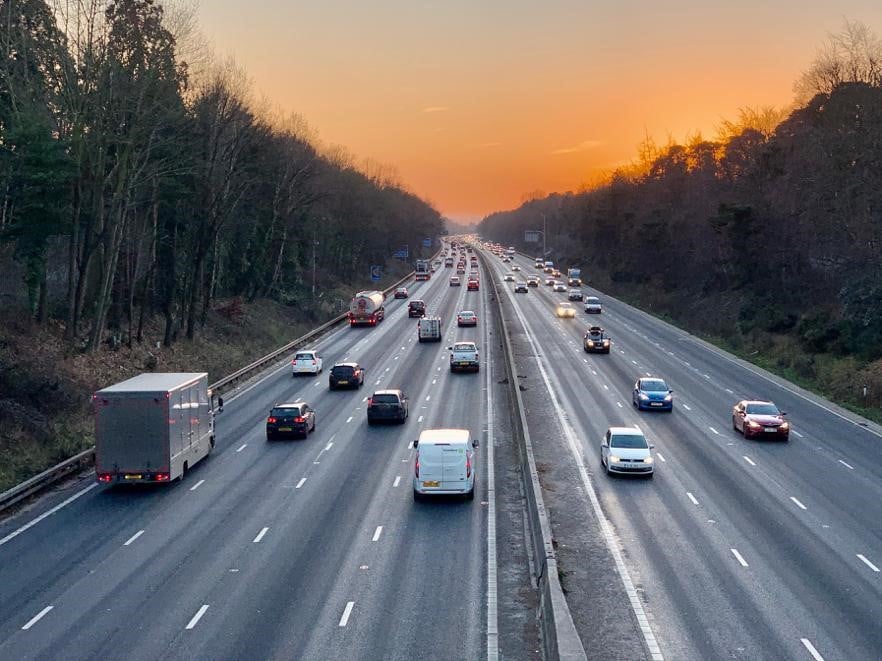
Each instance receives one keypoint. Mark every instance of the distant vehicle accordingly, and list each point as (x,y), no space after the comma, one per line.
(539,264)
(422,270)
(556,273)
(533,281)
(521,288)
(509,277)
(559,286)
(429,329)
(466,318)
(460,270)
(760,418)
(652,393)
(550,281)
(448,262)
(565,311)
(444,463)
(506,260)
(387,405)
(464,356)
(306,362)
(515,268)
(346,375)
(574,295)
(510,251)
(401,292)
(596,340)
(574,277)
(549,265)
(548,270)
(140,427)
(625,450)
(367,308)
(592,305)
(454,281)
(294,419)
(472,284)
(416,308)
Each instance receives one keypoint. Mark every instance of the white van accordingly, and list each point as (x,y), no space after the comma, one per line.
(444,463)
(429,329)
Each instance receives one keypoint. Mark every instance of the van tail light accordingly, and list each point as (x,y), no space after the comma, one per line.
(299,418)
(468,464)
(105,477)
(416,465)
(271,420)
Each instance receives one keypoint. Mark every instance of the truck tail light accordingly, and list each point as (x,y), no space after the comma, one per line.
(105,477)
(162,477)
(271,420)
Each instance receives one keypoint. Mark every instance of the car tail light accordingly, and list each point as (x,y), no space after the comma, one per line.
(468,465)
(105,477)
(299,418)
(370,401)
(416,465)
(271,420)
(294,362)
(161,477)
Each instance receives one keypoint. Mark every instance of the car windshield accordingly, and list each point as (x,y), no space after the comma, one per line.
(592,299)
(632,441)
(564,306)
(654,385)
(283,411)
(466,313)
(384,399)
(463,347)
(342,370)
(763,409)
(304,356)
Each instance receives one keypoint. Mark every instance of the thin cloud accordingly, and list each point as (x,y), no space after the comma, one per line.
(582,146)
(436,109)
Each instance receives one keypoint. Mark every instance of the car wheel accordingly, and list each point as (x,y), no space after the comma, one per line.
(734,426)
(330,386)
(370,420)
(417,496)
(649,475)
(744,430)
(269,436)
(471,494)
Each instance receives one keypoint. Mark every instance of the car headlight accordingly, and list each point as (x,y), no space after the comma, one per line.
(648,460)
(785,425)
(755,425)
(668,398)
(642,396)
(606,343)
(614,459)
(590,343)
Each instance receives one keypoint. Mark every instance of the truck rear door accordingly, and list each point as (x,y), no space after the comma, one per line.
(132,434)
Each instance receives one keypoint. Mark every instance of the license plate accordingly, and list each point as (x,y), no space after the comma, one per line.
(431,483)
(463,362)
(342,383)
(284,428)
(655,404)
(133,476)
(770,429)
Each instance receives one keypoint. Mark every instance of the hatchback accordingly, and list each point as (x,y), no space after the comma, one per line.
(625,450)
(346,375)
(652,393)
(306,362)
(292,419)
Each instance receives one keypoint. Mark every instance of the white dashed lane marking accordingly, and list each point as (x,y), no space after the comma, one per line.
(192,623)
(798,504)
(847,465)
(749,460)
(692,498)
(133,538)
(738,557)
(346,613)
(36,618)
(869,564)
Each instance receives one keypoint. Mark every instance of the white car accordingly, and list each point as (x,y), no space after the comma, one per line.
(466,318)
(444,463)
(559,286)
(306,362)
(626,450)
(592,305)
(515,268)
(454,281)
(509,277)
(464,356)
(565,311)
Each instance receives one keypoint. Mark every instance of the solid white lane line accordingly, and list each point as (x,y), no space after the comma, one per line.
(300,483)
(661,456)
(739,558)
(686,406)
(811,649)
(420,419)
(133,538)
(346,613)
(197,485)
(847,465)
(349,419)
(620,404)
(31,524)
(692,498)
(714,431)
(377,533)
(397,481)
(869,564)
(796,433)
(798,504)
(492,598)
(192,623)
(36,618)
(748,460)
(242,447)
(259,536)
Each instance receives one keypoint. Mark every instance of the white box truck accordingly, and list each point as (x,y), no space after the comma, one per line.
(422,270)
(153,427)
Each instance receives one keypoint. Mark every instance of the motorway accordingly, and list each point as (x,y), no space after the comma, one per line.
(305,549)
(736,549)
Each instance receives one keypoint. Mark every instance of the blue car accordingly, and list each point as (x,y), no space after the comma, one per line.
(652,393)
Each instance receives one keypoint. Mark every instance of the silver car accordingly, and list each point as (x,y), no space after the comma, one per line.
(625,450)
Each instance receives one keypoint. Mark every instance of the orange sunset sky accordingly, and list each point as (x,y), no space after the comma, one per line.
(477,102)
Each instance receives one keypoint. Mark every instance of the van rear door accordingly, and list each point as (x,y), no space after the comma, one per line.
(431,466)
(454,461)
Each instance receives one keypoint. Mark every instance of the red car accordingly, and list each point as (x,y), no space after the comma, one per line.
(473,285)
(760,418)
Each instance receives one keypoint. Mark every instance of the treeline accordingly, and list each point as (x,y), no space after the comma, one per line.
(133,183)
(769,237)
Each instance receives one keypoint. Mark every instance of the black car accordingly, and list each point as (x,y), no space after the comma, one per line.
(387,405)
(294,419)
(346,375)
(416,308)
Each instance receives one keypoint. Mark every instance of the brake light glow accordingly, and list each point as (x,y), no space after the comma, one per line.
(105,477)
(468,464)
(271,420)
(162,477)
(299,418)
(370,401)
(416,465)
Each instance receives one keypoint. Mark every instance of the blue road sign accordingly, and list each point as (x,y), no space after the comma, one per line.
(401,253)
(376,272)
(427,242)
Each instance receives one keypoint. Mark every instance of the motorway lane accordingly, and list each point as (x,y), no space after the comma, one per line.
(705,602)
(138,598)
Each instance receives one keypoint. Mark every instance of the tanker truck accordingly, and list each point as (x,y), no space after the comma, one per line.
(366,308)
